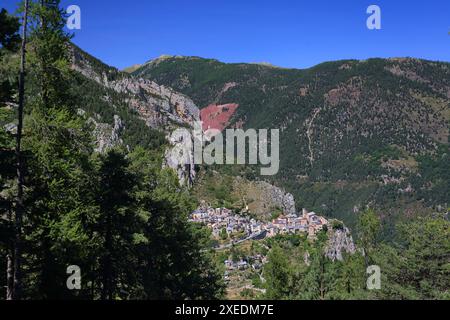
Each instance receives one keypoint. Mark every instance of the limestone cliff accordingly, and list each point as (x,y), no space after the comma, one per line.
(180,157)
(272,197)
(160,107)
(106,135)
(340,240)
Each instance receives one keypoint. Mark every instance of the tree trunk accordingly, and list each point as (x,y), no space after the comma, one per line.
(44,69)
(9,276)
(16,294)
(10,263)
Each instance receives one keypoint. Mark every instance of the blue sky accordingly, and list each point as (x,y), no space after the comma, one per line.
(288,33)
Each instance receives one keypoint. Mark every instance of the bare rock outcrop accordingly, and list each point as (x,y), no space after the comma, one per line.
(107,136)
(277,197)
(339,241)
(262,198)
(180,157)
(159,106)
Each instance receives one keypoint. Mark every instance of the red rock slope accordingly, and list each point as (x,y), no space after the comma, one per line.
(217,116)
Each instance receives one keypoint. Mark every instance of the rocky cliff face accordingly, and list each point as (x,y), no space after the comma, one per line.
(262,198)
(160,107)
(279,198)
(339,241)
(180,157)
(106,135)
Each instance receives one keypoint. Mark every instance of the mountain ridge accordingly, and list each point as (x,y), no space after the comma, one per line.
(164,57)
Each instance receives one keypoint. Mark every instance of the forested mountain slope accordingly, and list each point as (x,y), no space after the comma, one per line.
(353,133)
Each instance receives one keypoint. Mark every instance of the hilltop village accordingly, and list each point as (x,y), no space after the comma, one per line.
(221,220)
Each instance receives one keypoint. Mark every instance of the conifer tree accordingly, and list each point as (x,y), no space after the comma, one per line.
(59,166)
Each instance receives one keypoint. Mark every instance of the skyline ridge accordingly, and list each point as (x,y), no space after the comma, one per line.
(291,34)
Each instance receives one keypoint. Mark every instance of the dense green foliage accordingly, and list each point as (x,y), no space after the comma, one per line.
(298,269)
(9,25)
(117,215)
(9,40)
(416,266)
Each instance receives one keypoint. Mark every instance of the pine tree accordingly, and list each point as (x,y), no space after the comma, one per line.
(59,166)
(173,256)
(369,227)
(9,27)
(117,223)
(418,265)
(277,274)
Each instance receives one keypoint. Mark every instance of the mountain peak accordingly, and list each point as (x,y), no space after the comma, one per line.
(166,57)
